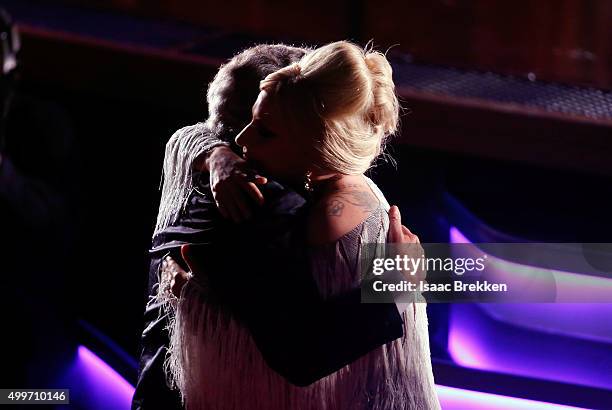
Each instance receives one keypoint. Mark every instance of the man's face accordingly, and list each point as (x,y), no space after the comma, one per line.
(273,143)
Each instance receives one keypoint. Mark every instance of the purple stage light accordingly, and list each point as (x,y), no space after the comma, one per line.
(560,342)
(477,341)
(96,385)
(570,285)
(535,281)
(105,388)
(588,321)
(452,398)
(457,237)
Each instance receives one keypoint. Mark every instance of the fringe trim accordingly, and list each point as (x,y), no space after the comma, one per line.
(215,364)
(182,149)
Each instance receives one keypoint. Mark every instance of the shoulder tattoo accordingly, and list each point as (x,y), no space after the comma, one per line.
(335,207)
(361,199)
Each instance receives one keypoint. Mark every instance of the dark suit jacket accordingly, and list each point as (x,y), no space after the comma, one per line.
(259,270)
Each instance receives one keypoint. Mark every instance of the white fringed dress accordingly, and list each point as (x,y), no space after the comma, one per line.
(217,366)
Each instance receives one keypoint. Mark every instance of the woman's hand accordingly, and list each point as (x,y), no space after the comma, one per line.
(411,247)
(399,234)
(233,184)
(173,273)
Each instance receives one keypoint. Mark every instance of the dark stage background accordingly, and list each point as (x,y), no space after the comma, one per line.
(522,136)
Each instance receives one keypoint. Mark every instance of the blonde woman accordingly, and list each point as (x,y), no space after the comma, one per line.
(319,123)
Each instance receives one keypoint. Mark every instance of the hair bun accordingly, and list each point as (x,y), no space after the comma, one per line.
(385,109)
(349,93)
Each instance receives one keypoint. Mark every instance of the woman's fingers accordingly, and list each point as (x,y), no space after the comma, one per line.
(409,236)
(165,275)
(176,275)
(399,233)
(395,225)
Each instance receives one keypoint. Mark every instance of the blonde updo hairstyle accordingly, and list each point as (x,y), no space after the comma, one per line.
(348,92)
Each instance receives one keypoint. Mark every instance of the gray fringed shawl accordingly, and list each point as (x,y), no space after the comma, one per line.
(182,149)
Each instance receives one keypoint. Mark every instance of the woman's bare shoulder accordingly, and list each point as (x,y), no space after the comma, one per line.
(339,212)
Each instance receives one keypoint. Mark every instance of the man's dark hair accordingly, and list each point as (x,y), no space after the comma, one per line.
(234,89)
(231,94)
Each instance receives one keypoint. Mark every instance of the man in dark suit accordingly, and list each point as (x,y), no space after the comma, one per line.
(308,338)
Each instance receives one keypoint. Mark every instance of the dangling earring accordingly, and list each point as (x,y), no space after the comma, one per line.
(308,182)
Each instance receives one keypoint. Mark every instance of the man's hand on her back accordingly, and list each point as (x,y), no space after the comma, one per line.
(233,184)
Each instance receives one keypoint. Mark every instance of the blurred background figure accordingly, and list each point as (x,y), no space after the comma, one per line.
(36,225)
